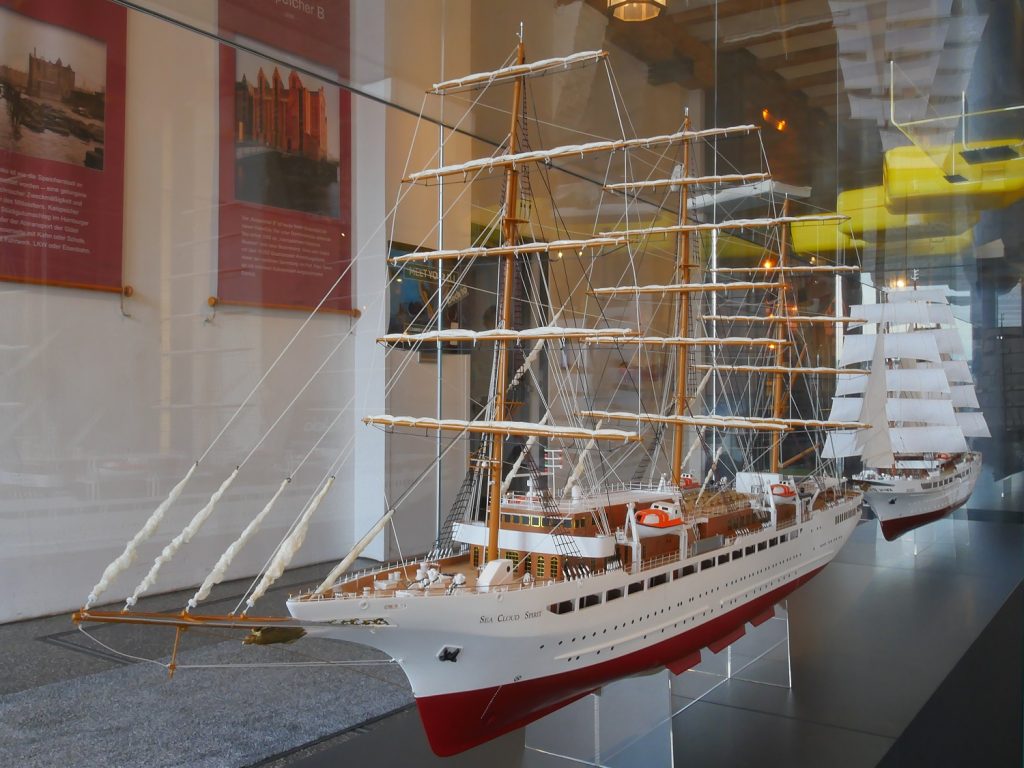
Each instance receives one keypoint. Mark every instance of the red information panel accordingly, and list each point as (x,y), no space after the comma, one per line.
(285,168)
(62,86)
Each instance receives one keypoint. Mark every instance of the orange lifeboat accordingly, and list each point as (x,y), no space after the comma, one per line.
(655,522)
(783,491)
(686,483)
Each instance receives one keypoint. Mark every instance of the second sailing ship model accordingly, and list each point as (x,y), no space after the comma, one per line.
(544,594)
(920,401)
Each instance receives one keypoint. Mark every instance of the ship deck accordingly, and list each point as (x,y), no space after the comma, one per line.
(400,579)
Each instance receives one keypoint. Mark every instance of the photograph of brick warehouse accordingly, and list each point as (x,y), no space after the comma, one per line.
(286,138)
(53,86)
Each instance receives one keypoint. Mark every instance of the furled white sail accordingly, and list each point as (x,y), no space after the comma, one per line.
(220,569)
(289,546)
(182,538)
(541,67)
(501,428)
(725,178)
(506,334)
(573,150)
(127,557)
(518,463)
(759,223)
(515,249)
(357,550)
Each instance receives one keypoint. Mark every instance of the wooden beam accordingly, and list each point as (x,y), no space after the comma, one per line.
(769,35)
(826,77)
(726,9)
(799,58)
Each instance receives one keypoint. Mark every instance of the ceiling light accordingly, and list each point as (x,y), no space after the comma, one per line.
(636,10)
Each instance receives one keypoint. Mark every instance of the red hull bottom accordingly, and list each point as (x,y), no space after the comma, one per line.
(455,722)
(893,529)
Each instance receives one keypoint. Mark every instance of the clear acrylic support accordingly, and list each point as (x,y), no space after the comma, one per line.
(942,537)
(625,723)
(760,656)
(629,722)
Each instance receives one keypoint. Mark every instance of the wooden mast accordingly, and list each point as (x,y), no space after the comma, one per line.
(683,325)
(509,234)
(780,348)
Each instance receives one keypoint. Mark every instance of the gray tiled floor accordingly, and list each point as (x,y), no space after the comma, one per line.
(66,700)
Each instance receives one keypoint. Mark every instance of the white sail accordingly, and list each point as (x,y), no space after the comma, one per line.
(924,440)
(964,396)
(846,408)
(899,410)
(898,380)
(957,371)
(972,424)
(841,444)
(947,340)
(913,346)
(876,444)
(905,313)
(922,411)
(932,293)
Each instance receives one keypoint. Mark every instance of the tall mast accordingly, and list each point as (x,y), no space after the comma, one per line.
(683,305)
(780,347)
(509,234)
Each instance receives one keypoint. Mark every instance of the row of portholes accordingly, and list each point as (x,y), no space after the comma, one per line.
(675,625)
(680,604)
(732,601)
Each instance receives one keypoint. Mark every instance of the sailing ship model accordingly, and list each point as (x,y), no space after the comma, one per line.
(540,595)
(920,401)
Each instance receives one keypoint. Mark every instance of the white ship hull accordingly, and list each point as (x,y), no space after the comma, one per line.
(515,659)
(903,503)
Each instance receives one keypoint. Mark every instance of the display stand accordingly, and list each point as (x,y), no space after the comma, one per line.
(760,656)
(943,537)
(629,722)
